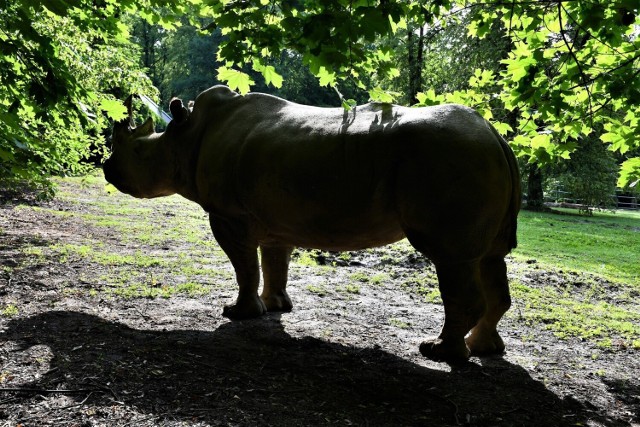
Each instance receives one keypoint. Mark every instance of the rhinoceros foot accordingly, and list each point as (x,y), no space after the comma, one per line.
(246,308)
(482,342)
(277,301)
(440,350)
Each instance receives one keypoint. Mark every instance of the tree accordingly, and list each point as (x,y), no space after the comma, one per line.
(589,176)
(59,72)
(54,83)
(572,66)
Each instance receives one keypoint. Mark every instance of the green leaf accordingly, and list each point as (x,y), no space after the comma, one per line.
(115,109)
(617,141)
(502,128)
(429,98)
(5,155)
(629,173)
(379,95)
(541,140)
(327,78)
(236,80)
(271,76)
(349,104)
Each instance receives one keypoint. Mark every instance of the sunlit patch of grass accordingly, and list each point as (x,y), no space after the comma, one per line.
(350,289)
(566,316)
(96,254)
(33,251)
(605,244)
(318,290)
(305,259)
(586,276)
(155,290)
(425,284)
(359,276)
(368,277)
(399,323)
(9,310)
(378,279)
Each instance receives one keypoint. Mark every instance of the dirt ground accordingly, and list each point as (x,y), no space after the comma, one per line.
(73,353)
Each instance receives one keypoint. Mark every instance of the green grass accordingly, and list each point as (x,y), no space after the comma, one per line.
(154,290)
(9,310)
(374,279)
(350,289)
(399,323)
(597,263)
(96,254)
(606,244)
(139,249)
(305,259)
(586,316)
(319,290)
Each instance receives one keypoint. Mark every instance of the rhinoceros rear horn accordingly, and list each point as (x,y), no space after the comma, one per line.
(179,112)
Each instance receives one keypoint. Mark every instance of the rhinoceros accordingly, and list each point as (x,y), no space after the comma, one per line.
(275,175)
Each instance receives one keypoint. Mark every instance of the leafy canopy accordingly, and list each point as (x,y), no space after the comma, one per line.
(572,68)
(61,65)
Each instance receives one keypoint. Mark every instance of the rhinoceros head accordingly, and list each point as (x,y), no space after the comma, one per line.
(141,162)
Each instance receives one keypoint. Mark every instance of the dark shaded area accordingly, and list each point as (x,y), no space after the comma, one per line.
(254,373)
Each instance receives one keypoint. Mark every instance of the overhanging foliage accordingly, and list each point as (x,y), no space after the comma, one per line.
(572,68)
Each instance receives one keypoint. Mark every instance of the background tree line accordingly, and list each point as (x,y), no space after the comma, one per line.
(559,79)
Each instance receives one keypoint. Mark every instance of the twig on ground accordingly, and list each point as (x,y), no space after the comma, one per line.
(47,391)
(76,404)
(449,401)
(9,400)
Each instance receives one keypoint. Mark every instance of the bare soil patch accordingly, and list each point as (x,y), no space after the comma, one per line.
(82,345)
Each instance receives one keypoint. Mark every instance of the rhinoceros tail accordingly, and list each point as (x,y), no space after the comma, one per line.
(511,220)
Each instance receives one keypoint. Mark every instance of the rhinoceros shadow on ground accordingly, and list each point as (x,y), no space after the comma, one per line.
(254,373)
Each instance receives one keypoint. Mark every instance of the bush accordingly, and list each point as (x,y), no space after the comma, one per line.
(589,177)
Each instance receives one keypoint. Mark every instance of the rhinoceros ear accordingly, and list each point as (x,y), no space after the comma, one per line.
(179,112)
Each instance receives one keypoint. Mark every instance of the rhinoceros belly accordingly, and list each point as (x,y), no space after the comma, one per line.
(335,232)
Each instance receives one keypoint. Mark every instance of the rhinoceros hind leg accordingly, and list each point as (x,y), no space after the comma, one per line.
(484,338)
(464,304)
(277,302)
(244,308)
(484,342)
(275,268)
(440,350)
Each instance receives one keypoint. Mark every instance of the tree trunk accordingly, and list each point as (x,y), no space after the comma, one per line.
(416,62)
(411,62)
(535,195)
(148,46)
(419,62)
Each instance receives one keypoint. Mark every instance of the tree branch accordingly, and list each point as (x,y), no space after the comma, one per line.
(583,76)
(604,73)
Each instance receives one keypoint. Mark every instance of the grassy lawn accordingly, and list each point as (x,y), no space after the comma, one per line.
(584,276)
(607,244)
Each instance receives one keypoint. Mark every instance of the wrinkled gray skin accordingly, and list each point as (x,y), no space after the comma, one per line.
(275,175)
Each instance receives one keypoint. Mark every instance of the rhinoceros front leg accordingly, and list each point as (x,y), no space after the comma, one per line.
(234,239)
(275,268)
